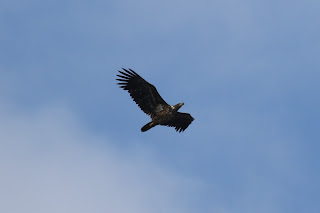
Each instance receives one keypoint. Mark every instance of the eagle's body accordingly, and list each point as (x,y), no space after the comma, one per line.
(149,100)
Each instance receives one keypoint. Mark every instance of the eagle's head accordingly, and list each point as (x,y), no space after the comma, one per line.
(177,106)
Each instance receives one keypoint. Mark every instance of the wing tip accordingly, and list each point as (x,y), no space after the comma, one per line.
(129,72)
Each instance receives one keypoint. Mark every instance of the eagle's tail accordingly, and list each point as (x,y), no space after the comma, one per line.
(148,126)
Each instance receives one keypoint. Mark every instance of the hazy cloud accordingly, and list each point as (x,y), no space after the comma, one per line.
(48,165)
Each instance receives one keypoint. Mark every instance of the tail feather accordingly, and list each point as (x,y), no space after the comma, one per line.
(147,126)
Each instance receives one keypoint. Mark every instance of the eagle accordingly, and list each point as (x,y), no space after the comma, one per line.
(151,103)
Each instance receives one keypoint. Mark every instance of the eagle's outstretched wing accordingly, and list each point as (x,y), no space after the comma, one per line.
(180,121)
(142,92)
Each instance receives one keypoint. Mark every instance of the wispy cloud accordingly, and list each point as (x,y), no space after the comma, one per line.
(50,163)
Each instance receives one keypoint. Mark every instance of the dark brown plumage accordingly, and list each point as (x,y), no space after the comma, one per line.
(150,102)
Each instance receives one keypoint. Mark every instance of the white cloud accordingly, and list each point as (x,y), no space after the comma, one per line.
(50,163)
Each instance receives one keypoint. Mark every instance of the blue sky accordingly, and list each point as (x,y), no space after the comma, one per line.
(247,71)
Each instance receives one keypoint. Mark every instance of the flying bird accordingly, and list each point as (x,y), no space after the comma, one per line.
(150,102)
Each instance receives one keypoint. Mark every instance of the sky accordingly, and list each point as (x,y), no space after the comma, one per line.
(247,71)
